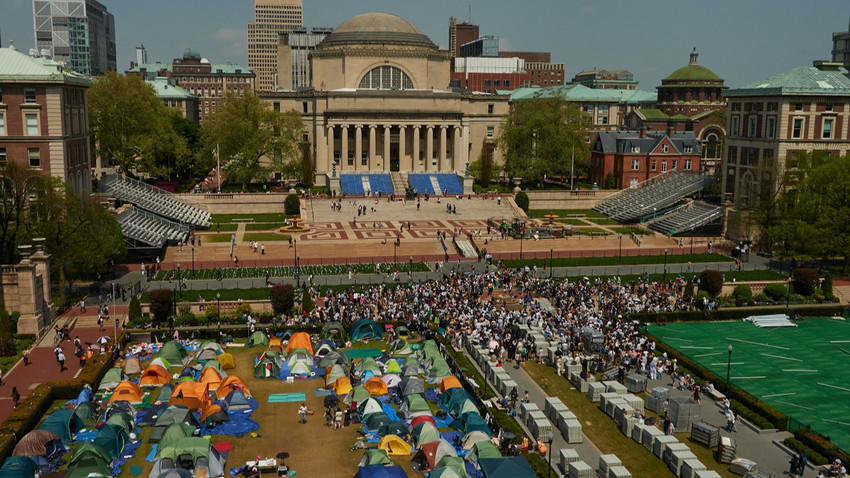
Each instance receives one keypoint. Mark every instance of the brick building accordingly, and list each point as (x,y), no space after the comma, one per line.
(488,74)
(604,79)
(176,97)
(636,156)
(43,119)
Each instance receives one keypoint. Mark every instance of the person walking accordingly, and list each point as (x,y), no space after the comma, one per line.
(1,377)
(16,396)
(302,413)
(60,358)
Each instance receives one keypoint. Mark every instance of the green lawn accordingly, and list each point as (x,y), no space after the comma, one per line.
(604,221)
(263,226)
(589,213)
(591,231)
(739,276)
(265,236)
(289,271)
(226,227)
(257,293)
(629,230)
(216,237)
(260,217)
(615,260)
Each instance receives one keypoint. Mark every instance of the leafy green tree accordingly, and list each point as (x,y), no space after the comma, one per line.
(521,200)
(131,127)
(826,285)
(16,186)
(539,136)
(292,205)
(711,281)
(307,301)
(689,288)
(610,182)
(7,341)
(282,298)
(134,310)
(246,131)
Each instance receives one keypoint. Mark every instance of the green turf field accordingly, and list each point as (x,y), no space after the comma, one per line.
(801,371)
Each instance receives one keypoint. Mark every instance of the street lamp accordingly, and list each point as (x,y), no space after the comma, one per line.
(521,236)
(620,236)
(641,213)
(395,248)
(788,293)
(411,265)
(665,266)
(193,259)
(654,211)
(728,369)
(550,263)
(295,258)
(551,438)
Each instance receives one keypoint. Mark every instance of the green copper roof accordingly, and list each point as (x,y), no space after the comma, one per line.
(830,79)
(226,68)
(165,90)
(693,73)
(576,93)
(654,114)
(18,67)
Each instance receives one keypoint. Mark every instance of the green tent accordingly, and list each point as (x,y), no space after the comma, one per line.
(470,422)
(375,457)
(266,368)
(64,423)
(89,468)
(373,421)
(258,339)
(357,395)
(196,447)
(392,367)
(461,406)
(367,363)
(210,345)
(482,449)
(393,428)
(89,413)
(90,458)
(365,329)
(454,462)
(455,393)
(414,403)
(112,438)
(174,353)
(334,331)
(332,358)
(400,348)
(123,420)
(272,354)
(299,351)
(176,431)
(113,377)
(18,467)
(439,369)
(445,472)
(212,364)
(506,467)
(425,432)
(335,372)
(410,360)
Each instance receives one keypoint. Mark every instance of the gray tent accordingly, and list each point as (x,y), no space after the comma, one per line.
(165,393)
(169,415)
(235,400)
(411,385)
(332,358)
(196,449)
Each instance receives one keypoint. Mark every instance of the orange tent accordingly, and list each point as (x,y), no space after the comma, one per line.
(154,375)
(211,378)
(275,344)
(376,386)
(127,391)
(449,382)
(209,411)
(342,386)
(300,340)
(192,395)
(230,383)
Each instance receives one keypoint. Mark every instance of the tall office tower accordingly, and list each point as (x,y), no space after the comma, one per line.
(141,54)
(78,33)
(271,18)
(293,57)
(841,47)
(459,34)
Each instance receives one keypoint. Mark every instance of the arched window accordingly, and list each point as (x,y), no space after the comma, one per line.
(386,78)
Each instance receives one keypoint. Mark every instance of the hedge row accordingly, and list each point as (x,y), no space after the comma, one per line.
(821,445)
(815,458)
(237,332)
(733,313)
(35,406)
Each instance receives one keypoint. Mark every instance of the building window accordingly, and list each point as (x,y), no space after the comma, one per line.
(488,83)
(735,126)
(602,114)
(2,157)
(1,95)
(507,83)
(654,165)
(636,149)
(387,78)
(771,127)
(490,108)
(34,158)
(794,159)
(689,149)
(675,164)
(827,128)
(31,120)
(29,95)
(635,164)
(364,159)
(773,106)
(350,158)
(665,148)
(733,155)
(687,165)
(736,106)
(2,124)
(751,132)
(798,128)
(663,166)
(491,132)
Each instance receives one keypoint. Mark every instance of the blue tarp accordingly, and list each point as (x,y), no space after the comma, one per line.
(238,425)
(381,472)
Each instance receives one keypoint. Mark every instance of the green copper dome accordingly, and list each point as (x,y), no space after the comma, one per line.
(693,72)
(191,54)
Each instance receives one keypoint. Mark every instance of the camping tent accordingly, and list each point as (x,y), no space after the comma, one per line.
(411,370)
(298,356)
(399,348)
(461,406)
(266,368)
(210,345)
(213,414)
(226,361)
(206,355)
(394,445)
(301,367)
(380,472)
(391,380)
(453,462)
(373,421)
(357,395)
(376,387)
(410,361)
(199,450)
(192,395)
(414,403)
(165,393)
(276,344)
(334,331)
(123,420)
(89,412)
(258,339)
(334,357)
(342,386)
(112,438)
(439,369)
(430,454)
(18,467)
(175,353)
(392,367)
(482,449)
(473,437)
(375,458)
(469,422)
(454,394)
(113,377)
(367,364)
(88,460)
(211,378)
(161,362)
(235,401)
(154,376)
(393,428)
(445,472)
(422,418)
(213,364)
(506,467)
(39,443)
(323,347)
(369,406)
(121,406)
(131,366)
(176,431)
(449,382)
(332,373)
(63,423)
(169,415)
(410,385)
(425,432)
(230,383)
(300,340)
(127,391)
(365,329)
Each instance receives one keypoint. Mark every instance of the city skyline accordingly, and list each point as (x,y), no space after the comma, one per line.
(741,42)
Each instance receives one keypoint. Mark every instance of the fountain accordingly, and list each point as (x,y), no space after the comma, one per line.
(295,226)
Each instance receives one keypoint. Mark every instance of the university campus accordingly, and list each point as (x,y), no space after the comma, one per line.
(345,247)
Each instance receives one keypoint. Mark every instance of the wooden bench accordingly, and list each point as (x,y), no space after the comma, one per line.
(716,395)
(240,220)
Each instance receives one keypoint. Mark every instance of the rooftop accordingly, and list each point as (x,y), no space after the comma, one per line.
(226,68)
(823,78)
(377,28)
(623,140)
(18,67)
(693,72)
(165,90)
(576,92)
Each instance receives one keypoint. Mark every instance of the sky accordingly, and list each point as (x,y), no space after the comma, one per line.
(743,41)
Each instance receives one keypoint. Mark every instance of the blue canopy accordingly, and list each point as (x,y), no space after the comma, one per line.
(20,467)
(381,472)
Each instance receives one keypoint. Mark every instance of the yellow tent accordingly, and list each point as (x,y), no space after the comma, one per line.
(376,387)
(154,375)
(226,361)
(275,344)
(211,378)
(394,445)
(342,386)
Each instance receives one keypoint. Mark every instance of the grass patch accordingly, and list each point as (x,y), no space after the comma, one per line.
(257,293)
(591,231)
(226,227)
(289,271)
(625,231)
(216,237)
(615,260)
(604,221)
(266,236)
(262,226)
(259,217)
(589,213)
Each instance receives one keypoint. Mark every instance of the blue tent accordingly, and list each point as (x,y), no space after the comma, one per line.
(506,467)
(365,329)
(18,467)
(84,396)
(112,438)
(64,423)
(381,472)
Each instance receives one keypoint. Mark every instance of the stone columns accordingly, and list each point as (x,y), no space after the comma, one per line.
(371,147)
(415,166)
(457,165)
(330,147)
(429,147)
(443,145)
(402,150)
(358,146)
(386,162)
(343,158)
(464,142)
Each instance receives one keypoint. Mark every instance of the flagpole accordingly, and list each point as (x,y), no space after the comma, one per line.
(218,163)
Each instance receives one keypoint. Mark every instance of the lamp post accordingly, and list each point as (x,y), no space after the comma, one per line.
(641,213)
(193,259)
(521,236)
(550,263)
(395,248)
(654,211)
(295,258)
(551,438)
(728,369)
(411,266)
(788,293)
(665,266)
(115,316)
(620,236)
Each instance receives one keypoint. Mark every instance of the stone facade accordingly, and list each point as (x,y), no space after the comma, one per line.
(26,289)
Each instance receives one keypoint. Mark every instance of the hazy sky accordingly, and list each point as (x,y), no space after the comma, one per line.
(740,40)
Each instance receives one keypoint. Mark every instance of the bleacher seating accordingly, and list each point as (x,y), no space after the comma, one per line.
(155,200)
(351,184)
(657,194)
(438,183)
(143,227)
(381,183)
(449,183)
(421,183)
(687,219)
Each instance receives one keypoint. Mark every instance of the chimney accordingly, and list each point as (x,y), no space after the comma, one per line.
(671,129)
(643,131)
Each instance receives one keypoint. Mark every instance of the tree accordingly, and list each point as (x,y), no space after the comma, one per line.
(826,285)
(81,235)
(282,298)
(806,280)
(307,301)
(16,186)
(292,205)
(711,281)
(134,310)
(610,182)
(689,288)
(539,136)
(131,127)
(246,130)
(7,341)
(161,304)
(521,200)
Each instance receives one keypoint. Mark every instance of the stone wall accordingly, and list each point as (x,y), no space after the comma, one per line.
(237,203)
(26,289)
(566,199)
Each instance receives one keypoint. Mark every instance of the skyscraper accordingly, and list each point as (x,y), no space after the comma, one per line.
(841,47)
(271,18)
(78,33)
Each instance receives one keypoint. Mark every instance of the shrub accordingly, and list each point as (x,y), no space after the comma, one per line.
(211,312)
(161,304)
(244,309)
(826,285)
(711,281)
(743,293)
(689,288)
(135,308)
(806,280)
(749,415)
(7,342)
(815,458)
(610,182)
(292,205)
(307,301)
(521,200)
(821,445)
(282,298)
(762,297)
(776,291)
